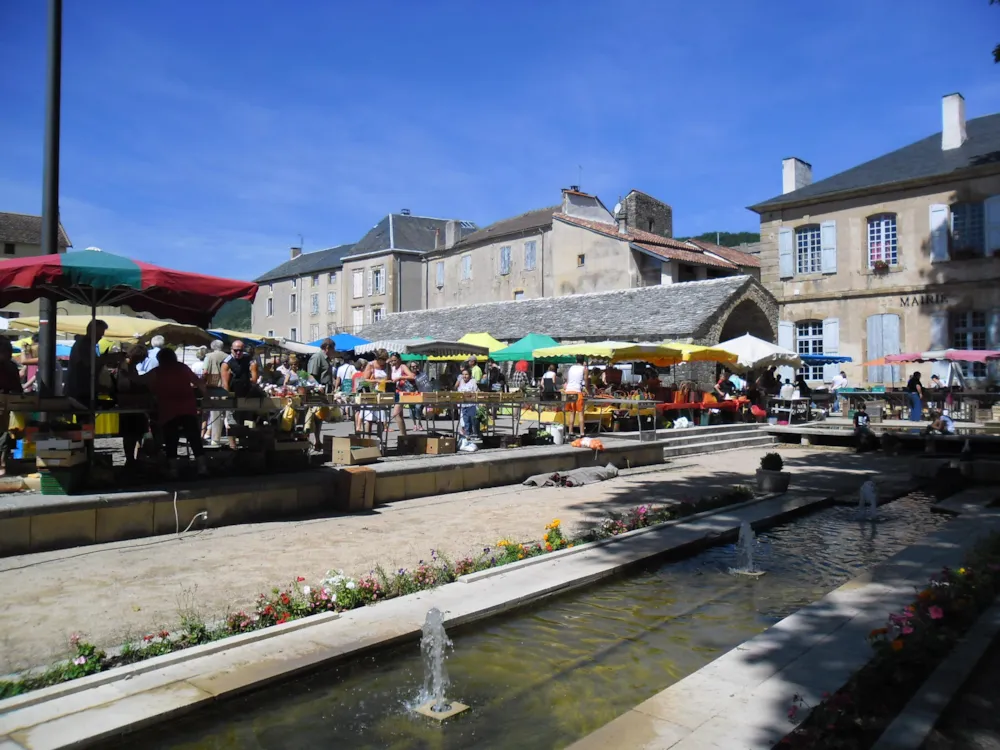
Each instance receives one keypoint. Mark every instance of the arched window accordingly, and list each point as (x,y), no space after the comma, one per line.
(808,249)
(882,240)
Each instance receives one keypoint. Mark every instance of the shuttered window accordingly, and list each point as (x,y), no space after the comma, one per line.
(529,255)
(505,260)
(809,340)
(808,250)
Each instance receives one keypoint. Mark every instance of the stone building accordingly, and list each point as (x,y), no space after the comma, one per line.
(894,255)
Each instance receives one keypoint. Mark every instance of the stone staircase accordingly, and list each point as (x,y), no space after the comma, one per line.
(713,439)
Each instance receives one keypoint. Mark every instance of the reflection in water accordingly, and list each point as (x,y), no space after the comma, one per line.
(543,677)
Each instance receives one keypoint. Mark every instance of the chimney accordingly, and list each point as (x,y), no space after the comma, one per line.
(953,122)
(296,252)
(622,222)
(404,211)
(795,174)
(451,235)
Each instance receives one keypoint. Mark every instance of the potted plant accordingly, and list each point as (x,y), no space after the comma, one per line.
(880,266)
(770,477)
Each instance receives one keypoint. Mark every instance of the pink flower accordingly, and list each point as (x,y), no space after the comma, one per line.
(907,629)
(80,661)
(74,640)
(935,612)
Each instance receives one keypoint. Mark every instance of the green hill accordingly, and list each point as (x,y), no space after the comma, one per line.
(233,315)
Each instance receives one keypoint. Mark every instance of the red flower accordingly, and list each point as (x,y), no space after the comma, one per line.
(300,579)
(284,598)
(164,634)
(147,638)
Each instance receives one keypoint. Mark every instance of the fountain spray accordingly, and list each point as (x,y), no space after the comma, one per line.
(433,646)
(745,566)
(868,501)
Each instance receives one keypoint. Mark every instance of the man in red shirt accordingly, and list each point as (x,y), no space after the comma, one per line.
(173,384)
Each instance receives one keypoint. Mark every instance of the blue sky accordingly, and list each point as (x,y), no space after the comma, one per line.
(210,135)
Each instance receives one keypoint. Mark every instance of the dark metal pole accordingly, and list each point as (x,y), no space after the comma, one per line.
(50,199)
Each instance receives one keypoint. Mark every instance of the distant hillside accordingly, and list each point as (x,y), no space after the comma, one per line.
(233,315)
(727,239)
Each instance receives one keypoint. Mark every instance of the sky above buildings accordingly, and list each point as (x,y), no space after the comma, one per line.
(210,135)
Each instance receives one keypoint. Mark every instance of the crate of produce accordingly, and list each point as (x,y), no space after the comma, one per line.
(366,398)
(63,481)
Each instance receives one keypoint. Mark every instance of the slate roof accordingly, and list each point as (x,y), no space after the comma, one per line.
(27,230)
(923,160)
(408,233)
(672,311)
(319,261)
(687,251)
(536,219)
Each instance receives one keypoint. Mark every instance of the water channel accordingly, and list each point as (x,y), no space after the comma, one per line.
(545,676)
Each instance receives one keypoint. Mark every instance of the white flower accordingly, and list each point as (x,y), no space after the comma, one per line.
(350,584)
(333,597)
(306,590)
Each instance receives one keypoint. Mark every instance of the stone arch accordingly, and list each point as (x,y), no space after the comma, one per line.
(747,317)
(753,310)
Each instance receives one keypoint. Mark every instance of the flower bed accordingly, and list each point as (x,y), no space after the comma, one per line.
(905,652)
(340,593)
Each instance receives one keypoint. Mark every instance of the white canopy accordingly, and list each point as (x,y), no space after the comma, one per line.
(753,352)
(297,346)
(429,347)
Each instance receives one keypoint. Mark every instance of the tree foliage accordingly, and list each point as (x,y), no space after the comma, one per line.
(729,239)
(233,315)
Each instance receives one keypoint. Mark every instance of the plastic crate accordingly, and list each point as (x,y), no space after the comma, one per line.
(62,481)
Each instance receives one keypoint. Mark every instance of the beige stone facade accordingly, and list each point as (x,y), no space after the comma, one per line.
(902,267)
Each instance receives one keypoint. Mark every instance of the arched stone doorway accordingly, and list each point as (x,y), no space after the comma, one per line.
(747,317)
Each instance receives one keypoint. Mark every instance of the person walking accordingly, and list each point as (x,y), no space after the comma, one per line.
(239,373)
(402,378)
(468,425)
(576,385)
(915,395)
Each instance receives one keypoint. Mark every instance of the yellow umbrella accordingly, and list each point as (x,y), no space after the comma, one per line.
(126,328)
(596,349)
(659,355)
(696,353)
(476,339)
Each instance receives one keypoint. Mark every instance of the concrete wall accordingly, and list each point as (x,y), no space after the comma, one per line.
(585,207)
(608,262)
(924,294)
(487,283)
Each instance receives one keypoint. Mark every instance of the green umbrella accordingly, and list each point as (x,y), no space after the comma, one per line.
(522,349)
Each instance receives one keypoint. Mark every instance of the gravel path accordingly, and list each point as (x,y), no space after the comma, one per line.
(120,590)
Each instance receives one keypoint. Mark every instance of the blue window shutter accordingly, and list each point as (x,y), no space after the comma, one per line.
(786,254)
(828,245)
(786,340)
(831,345)
(939,232)
(890,345)
(992,211)
(939,330)
(874,330)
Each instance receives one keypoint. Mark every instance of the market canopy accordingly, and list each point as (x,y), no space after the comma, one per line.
(753,353)
(342,342)
(428,347)
(524,348)
(476,339)
(824,359)
(126,328)
(228,336)
(95,278)
(595,349)
(946,355)
(659,355)
(297,347)
(699,353)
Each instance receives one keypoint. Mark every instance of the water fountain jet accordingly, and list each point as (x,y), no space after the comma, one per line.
(868,501)
(433,646)
(745,565)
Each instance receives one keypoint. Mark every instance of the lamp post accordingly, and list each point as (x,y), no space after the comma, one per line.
(50,199)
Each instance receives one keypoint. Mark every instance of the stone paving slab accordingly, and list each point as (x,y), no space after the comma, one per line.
(740,700)
(71,714)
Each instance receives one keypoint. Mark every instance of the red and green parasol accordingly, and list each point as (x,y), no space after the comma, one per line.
(95,278)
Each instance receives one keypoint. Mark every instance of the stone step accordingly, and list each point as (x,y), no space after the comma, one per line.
(715,446)
(687,437)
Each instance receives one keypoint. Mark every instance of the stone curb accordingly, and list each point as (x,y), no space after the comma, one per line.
(558,554)
(918,718)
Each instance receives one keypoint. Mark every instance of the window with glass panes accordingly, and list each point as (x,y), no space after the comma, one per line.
(967,227)
(969,332)
(808,250)
(809,340)
(882,240)
(529,255)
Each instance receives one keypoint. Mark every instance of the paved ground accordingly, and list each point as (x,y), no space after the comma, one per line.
(972,721)
(114,591)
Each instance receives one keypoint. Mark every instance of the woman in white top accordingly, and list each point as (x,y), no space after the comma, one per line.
(375,372)
(468,425)
(403,378)
(289,371)
(576,380)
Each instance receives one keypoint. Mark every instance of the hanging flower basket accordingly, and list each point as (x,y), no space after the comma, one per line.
(880,266)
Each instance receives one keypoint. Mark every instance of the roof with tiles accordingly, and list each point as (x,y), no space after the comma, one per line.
(674,311)
(319,261)
(535,219)
(25,229)
(684,250)
(923,160)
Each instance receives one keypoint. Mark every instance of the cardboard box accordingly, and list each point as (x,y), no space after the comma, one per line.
(58,444)
(439,445)
(74,459)
(353,451)
(355,489)
(411,444)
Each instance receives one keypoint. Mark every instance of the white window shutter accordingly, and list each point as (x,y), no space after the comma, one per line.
(786,254)
(828,246)
(890,345)
(831,345)
(786,340)
(939,232)
(369,274)
(875,351)
(992,211)
(939,330)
